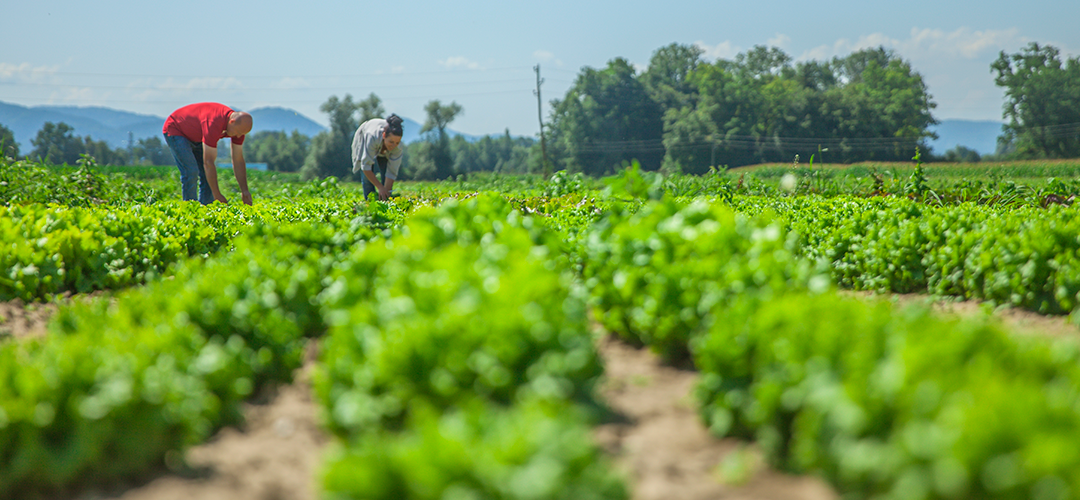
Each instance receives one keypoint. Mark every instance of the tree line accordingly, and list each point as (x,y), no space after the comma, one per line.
(437,156)
(57,143)
(328,153)
(680,113)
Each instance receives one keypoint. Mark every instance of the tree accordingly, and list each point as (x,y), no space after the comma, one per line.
(438,118)
(331,151)
(607,119)
(151,151)
(1042,102)
(962,154)
(764,62)
(56,143)
(884,110)
(8,146)
(668,76)
(759,108)
(370,108)
(102,153)
(280,152)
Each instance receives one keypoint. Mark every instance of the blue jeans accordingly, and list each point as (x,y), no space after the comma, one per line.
(189,159)
(380,162)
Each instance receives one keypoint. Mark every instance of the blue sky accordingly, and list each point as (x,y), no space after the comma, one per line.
(152,56)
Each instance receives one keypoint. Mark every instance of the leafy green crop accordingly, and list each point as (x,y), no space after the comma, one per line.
(885,402)
(657,274)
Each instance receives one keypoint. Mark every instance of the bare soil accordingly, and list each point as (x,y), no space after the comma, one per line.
(21,320)
(665,450)
(657,440)
(1015,320)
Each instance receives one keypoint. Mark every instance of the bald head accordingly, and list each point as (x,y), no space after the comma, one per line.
(240,123)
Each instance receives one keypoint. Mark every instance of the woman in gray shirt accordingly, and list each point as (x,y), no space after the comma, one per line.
(378,141)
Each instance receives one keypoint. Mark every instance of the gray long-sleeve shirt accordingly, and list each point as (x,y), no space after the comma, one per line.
(367,144)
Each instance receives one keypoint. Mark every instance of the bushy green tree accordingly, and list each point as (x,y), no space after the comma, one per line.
(331,151)
(607,119)
(280,151)
(151,151)
(102,153)
(1042,102)
(370,108)
(435,161)
(56,143)
(963,154)
(668,76)
(500,154)
(9,147)
(760,108)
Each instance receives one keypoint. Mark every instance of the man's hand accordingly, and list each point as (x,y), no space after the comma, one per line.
(384,193)
(220,197)
(246,197)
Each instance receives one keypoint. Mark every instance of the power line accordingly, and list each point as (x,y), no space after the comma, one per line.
(343,75)
(279,101)
(248,89)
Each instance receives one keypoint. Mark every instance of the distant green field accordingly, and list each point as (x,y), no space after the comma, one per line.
(1016,170)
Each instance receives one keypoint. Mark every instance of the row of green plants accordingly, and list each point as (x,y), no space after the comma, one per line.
(459,364)
(54,249)
(88,184)
(988,171)
(479,298)
(890,403)
(120,384)
(1026,257)
(882,402)
(461,330)
(1022,184)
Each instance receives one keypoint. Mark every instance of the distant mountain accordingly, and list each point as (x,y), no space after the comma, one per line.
(106,124)
(285,120)
(113,126)
(411,132)
(979,135)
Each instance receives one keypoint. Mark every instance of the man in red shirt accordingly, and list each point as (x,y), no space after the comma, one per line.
(192,133)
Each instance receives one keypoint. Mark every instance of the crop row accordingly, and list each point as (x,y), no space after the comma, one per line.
(884,403)
(51,249)
(458,364)
(459,333)
(119,383)
(1027,257)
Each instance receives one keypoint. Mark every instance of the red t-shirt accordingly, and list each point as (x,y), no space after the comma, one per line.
(202,122)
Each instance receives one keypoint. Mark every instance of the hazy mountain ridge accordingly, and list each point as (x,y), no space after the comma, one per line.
(113,126)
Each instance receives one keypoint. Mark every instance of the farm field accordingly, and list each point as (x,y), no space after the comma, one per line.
(506,337)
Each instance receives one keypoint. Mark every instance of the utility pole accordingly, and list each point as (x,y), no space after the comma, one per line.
(540,116)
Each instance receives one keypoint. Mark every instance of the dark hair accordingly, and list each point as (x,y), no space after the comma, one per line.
(393,125)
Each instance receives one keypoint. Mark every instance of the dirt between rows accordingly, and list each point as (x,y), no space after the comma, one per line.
(657,439)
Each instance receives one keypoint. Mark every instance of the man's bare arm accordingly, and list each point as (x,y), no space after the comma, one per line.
(240,171)
(210,169)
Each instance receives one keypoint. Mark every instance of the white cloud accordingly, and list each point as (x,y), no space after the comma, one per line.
(780,41)
(25,72)
(291,83)
(954,64)
(545,56)
(724,50)
(925,43)
(459,62)
(206,83)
